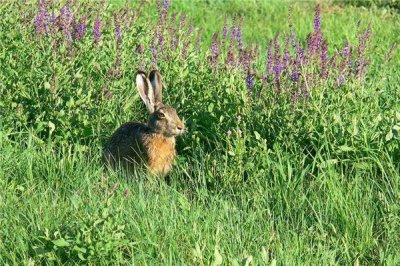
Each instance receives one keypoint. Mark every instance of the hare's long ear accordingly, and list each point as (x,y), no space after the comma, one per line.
(146,92)
(156,83)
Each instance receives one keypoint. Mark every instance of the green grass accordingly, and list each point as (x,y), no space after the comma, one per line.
(310,183)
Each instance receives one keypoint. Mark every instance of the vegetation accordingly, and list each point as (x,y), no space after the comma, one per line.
(293,149)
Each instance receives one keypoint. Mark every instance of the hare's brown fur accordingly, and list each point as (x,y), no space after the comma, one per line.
(152,144)
(135,144)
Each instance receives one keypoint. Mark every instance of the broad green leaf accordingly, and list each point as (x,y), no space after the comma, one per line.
(52,127)
(389,135)
(60,242)
(210,107)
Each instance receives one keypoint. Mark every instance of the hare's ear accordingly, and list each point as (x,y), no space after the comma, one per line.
(146,92)
(156,83)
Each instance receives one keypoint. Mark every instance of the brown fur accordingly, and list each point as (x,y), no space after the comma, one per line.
(160,153)
(135,144)
(152,144)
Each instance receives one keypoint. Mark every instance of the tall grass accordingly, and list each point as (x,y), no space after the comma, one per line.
(268,172)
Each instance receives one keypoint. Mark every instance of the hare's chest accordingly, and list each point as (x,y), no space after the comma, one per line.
(160,155)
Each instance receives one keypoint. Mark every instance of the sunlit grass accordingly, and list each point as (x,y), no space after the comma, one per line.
(312,182)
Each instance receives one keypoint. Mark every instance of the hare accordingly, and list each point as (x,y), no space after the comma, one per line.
(152,144)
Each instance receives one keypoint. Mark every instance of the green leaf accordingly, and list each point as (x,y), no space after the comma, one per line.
(52,127)
(389,135)
(47,85)
(60,242)
(258,136)
(210,107)
(81,250)
(78,75)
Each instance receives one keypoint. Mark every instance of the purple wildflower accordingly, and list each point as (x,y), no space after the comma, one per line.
(364,70)
(234,28)
(73,23)
(286,53)
(41,21)
(229,133)
(185,48)
(225,31)
(246,59)
(277,49)
(249,81)
(239,36)
(166,5)
(304,90)
(317,18)
(97,31)
(324,58)
(277,58)
(65,19)
(292,38)
(190,29)
(214,48)
(300,52)
(363,39)
(346,50)
(255,51)
(264,83)
(277,64)
(309,43)
(161,39)
(239,39)
(153,51)
(340,80)
(269,58)
(316,38)
(140,51)
(277,69)
(295,71)
(182,22)
(172,32)
(389,55)
(230,59)
(350,62)
(81,28)
(118,33)
(317,41)
(332,63)
(164,11)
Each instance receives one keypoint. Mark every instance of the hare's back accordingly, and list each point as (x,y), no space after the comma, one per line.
(127,140)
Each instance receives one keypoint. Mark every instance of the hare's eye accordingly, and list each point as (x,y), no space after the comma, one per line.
(160,115)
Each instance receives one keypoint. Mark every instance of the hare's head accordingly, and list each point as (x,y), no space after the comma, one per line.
(163,119)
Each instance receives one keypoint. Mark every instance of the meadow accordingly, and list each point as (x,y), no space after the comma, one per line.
(292,155)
